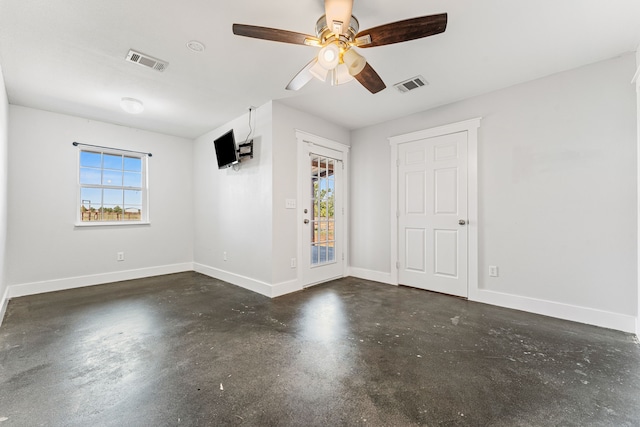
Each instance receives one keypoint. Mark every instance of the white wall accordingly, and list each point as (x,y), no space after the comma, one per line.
(243,212)
(4,142)
(286,121)
(233,209)
(557,190)
(46,251)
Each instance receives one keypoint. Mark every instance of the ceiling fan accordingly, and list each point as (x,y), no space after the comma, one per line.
(337,33)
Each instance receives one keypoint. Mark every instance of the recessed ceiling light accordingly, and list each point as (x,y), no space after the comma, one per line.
(132,105)
(195,46)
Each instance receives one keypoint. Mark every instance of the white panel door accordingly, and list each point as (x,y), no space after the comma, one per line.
(432,214)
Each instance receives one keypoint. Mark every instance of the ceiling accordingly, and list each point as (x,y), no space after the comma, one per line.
(67,56)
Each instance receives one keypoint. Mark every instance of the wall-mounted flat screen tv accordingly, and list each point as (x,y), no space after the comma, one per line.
(226,153)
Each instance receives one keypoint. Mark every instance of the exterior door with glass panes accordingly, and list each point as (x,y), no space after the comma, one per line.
(323,217)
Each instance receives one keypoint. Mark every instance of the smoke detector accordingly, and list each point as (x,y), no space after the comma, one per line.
(195,46)
(146,60)
(411,84)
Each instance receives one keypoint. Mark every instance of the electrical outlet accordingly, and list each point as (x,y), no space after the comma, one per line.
(224,255)
(120,256)
(294,263)
(493,271)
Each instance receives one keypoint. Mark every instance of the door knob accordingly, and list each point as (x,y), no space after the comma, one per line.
(462,222)
(306,221)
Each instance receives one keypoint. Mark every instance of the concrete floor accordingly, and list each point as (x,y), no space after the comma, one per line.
(185,349)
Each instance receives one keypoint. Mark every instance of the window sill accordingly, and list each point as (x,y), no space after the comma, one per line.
(109,224)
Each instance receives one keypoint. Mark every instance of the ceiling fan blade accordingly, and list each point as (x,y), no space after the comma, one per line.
(274,34)
(402,31)
(370,79)
(303,77)
(338,13)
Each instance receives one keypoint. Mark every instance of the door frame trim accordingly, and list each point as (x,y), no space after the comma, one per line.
(471,127)
(308,140)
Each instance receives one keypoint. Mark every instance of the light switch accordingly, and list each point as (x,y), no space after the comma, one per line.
(290,204)
(493,271)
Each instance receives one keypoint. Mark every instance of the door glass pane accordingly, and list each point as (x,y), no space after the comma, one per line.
(315,160)
(314,238)
(324,228)
(323,253)
(322,205)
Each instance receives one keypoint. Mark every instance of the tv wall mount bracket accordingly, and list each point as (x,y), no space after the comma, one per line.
(245,150)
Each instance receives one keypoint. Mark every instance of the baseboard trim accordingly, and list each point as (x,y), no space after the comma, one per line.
(24,289)
(284,288)
(235,279)
(33,288)
(3,305)
(375,276)
(589,316)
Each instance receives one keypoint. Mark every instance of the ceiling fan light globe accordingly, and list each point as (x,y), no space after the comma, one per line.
(329,56)
(319,72)
(354,61)
(343,75)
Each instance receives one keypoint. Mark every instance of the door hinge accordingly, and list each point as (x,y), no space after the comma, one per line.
(397,265)
(342,211)
(398,162)
(397,214)
(343,256)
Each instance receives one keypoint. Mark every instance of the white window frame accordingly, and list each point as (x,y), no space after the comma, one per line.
(144,218)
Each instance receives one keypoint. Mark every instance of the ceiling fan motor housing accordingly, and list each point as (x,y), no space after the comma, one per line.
(326,35)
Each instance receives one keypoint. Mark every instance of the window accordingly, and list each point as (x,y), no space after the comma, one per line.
(112,187)
(324,219)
